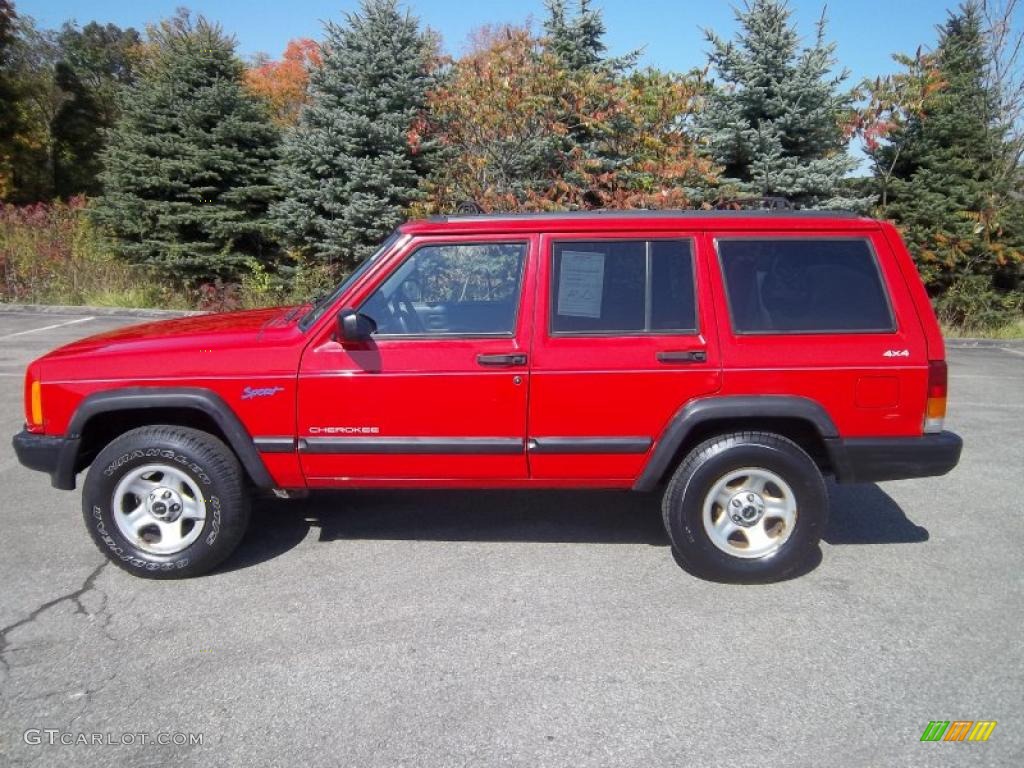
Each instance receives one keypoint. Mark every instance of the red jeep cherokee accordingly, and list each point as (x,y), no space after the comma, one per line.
(736,358)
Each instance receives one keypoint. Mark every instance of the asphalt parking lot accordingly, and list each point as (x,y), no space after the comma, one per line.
(526,629)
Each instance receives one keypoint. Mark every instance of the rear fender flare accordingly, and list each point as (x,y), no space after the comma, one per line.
(702,410)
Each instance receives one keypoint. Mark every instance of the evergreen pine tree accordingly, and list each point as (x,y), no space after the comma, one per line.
(577,41)
(350,167)
(774,123)
(589,151)
(186,175)
(957,208)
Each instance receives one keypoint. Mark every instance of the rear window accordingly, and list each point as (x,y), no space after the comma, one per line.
(623,286)
(803,286)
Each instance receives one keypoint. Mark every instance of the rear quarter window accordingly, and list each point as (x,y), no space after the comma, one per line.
(804,285)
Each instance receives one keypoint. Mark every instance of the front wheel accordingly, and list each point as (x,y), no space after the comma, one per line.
(165,502)
(747,506)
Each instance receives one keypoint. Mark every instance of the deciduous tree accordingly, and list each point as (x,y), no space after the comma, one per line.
(9,95)
(506,114)
(95,62)
(285,83)
(32,56)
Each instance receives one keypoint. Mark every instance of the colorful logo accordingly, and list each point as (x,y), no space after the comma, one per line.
(958,730)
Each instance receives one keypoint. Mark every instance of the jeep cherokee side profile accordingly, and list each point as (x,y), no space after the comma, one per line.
(733,358)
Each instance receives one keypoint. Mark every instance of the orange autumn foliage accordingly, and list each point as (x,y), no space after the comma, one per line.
(283,84)
(509,116)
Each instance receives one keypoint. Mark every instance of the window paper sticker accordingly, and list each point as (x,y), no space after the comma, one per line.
(581,283)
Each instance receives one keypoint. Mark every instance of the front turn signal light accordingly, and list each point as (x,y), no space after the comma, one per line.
(36,414)
(935,410)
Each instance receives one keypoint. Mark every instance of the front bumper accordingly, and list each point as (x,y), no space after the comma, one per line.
(54,455)
(871,460)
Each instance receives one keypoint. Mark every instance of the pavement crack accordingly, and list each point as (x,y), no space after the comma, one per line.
(88,585)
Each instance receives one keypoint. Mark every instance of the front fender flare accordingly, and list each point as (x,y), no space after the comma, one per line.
(186,398)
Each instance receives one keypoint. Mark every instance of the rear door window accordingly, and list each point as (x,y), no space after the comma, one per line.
(623,287)
(791,285)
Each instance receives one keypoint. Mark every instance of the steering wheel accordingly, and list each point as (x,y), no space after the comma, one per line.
(410,317)
(404,313)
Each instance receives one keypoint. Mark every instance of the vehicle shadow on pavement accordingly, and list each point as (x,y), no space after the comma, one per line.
(608,517)
(865,514)
(860,514)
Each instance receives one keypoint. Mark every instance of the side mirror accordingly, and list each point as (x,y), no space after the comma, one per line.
(355,327)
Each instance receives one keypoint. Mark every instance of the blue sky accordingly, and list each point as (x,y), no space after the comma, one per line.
(668,31)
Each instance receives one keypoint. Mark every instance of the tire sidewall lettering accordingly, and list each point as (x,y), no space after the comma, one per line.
(159,453)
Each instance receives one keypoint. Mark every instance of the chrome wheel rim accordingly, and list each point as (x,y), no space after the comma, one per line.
(750,513)
(159,509)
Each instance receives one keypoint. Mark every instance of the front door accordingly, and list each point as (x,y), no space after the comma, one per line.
(440,392)
(624,338)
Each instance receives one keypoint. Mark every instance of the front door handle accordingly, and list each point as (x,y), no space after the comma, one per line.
(687,356)
(501,360)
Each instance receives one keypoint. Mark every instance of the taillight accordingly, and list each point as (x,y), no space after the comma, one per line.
(33,400)
(938,385)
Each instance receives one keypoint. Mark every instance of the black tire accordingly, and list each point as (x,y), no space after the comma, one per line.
(713,460)
(206,461)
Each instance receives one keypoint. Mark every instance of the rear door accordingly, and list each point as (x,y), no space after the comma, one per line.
(624,338)
(440,391)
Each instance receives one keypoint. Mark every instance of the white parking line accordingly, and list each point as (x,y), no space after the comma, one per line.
(981,376)
(968,404)
(47,327)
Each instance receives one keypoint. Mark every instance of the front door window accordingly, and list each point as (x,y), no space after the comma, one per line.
(466,289)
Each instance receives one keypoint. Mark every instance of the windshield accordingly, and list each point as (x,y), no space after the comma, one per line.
(321,304)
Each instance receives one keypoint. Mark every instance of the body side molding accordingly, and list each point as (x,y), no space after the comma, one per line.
(189,398)
(706,409)
(590,445)
(282,444)
(412,445)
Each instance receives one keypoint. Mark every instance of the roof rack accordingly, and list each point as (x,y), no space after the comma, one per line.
(645,213)
(770,203)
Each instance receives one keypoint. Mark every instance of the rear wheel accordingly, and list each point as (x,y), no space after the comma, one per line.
(165,502)
(747,506)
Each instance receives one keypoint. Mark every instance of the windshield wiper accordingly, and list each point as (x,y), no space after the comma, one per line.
(315,301)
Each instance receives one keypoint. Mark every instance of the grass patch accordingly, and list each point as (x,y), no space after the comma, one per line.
(1009,331)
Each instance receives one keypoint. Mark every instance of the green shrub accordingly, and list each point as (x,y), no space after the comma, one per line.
(51,254)
(971,302)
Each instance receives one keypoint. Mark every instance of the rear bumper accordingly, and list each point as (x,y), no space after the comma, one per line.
(45,453)
(870,460)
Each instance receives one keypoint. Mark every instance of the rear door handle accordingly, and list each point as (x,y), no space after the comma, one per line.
(501,360)
(687,356)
